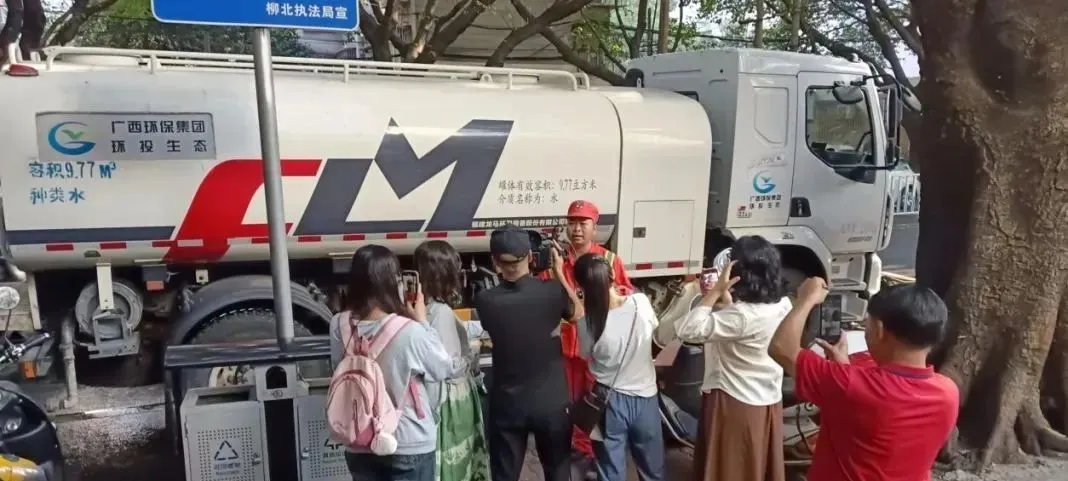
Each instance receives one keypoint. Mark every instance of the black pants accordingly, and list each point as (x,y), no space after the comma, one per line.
(25,18)
(508,434)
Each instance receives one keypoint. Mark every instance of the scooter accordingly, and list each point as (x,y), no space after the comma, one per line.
(29,441)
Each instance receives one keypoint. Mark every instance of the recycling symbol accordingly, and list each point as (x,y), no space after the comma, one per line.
(225,452)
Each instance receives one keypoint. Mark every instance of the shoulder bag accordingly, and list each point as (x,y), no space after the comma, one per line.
(587,412)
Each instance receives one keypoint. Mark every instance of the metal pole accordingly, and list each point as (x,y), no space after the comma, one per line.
(272,183)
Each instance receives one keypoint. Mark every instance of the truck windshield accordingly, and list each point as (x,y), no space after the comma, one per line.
(838,133)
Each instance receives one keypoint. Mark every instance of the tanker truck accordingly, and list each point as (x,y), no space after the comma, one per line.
(133,193)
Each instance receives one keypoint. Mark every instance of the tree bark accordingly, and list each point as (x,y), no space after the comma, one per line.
(993,228)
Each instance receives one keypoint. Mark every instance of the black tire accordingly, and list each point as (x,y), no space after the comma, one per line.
(246,325)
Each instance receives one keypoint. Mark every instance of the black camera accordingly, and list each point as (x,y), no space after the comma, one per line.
(541,248)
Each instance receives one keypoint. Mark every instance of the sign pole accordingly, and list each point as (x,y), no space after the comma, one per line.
(272,183)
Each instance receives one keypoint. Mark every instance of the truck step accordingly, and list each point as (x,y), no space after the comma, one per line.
(847,285)
(851,318)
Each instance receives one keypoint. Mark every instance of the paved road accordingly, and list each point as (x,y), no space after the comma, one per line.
(900,255)
(119,443)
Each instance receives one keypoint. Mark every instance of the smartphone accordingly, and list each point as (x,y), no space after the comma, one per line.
(709,276)
(409,286)
(830,325)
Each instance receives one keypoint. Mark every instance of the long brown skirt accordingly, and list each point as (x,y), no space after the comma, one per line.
(738,442)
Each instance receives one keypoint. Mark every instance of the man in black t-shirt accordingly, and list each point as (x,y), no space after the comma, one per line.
(528,394)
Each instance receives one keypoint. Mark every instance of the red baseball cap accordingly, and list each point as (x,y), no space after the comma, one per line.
(583,209)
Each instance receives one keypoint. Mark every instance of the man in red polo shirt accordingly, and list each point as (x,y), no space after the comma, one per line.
(582,219)
(884,420)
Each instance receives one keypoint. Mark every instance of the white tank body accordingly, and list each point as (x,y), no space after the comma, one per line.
(131,165)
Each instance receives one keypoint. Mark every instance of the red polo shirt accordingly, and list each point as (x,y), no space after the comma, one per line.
(877,423)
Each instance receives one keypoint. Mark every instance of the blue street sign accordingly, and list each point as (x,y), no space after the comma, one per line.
(306,14)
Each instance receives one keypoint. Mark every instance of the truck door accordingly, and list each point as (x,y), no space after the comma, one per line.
(839,135)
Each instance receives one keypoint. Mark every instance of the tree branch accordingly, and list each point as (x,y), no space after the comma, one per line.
(886,44)
(453,12)
(567,51)
(370,28)
(602,44)
(452,29)
(845,11)
(422,31)
(80,12)
(559,10)
(911,39)
(843,50)
(385,27)
(640,26)
(627,40)
(678,30)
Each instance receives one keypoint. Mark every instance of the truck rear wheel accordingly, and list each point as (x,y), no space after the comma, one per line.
(243,325)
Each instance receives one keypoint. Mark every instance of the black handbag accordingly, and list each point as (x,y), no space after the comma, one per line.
(588,411)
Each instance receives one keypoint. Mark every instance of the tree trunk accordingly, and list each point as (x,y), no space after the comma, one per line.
(910,123)
(665,26)
(640,25)
(796,13)
(993,228)
(758,24)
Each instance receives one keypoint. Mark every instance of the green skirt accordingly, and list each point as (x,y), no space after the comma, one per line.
(462,451)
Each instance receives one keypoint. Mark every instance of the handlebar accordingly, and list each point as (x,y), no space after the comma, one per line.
(11,353)
(36,340)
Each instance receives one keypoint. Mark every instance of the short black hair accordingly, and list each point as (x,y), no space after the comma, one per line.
(913,314)
(758,266)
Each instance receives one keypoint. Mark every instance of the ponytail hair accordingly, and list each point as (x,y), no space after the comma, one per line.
(594,276)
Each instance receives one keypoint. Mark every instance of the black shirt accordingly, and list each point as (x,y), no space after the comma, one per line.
(528,363)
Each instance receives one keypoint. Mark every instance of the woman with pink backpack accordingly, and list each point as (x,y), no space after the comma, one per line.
(378,405)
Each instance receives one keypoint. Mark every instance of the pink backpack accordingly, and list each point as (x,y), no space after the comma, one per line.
(360,414)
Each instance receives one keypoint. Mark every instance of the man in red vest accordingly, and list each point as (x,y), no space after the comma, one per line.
(582,219)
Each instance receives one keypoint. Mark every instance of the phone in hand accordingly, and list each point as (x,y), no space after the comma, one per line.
(830,325)
(709,276)
(409,286)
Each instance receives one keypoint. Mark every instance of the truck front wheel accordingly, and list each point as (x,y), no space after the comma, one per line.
(246,324)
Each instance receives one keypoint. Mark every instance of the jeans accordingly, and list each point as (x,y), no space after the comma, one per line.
(631,424)
(397,467)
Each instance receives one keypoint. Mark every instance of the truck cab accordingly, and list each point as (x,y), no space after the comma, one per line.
(801,156)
